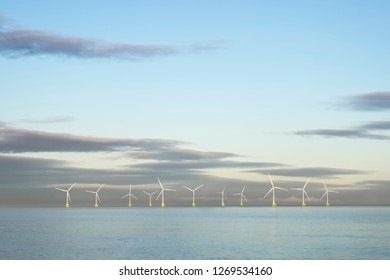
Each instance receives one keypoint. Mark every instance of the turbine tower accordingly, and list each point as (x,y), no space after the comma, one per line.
(97,198)
(68,201)
(327,191)
(273,191)
(162,193)
(303,192)
(150,197)
(130,196)
(223,197)
(241,194)
(193,193)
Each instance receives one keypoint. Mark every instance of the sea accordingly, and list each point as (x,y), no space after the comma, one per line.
(195,233)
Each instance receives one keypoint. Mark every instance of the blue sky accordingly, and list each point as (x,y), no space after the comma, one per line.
(225,91)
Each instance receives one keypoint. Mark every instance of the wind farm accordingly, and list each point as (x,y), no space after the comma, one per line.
(222,195)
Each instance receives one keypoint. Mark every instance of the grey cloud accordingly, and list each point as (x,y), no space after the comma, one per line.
(363,131)
(377,125)
(345,133)
(180,155)
(374,101)
(13,140)
(16,42)
(314,172)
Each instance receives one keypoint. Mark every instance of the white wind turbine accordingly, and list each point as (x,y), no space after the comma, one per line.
(162,193)
(303,192)
(223,197)
(68,201)
(327,191)
(273,191)
(150,197)
(97,198)
(241,194)
(130,196)
(193,193)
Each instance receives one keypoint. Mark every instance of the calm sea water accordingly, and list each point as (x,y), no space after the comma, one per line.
(196,233)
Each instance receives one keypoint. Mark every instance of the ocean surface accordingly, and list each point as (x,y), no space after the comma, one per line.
(201,233)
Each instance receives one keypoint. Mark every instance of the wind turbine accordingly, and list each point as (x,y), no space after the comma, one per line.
(223,197)
(97,198)
(303,192)
(327,191)
(68,201)
(130,196)
(162,193)
(242,196)
(150,197)
(193,193)
(273,191)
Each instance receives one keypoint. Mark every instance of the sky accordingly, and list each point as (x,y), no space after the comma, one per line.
(220,93)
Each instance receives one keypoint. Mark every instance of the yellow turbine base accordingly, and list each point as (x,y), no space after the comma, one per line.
(222,204)
(327,204)
(162,204)
(96,205)
(273,203)
(193,204)
(303,204)
(241,204)
(150,205)
(129,204)
(67,205)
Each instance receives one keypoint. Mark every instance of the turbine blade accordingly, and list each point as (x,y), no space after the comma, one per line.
(268,192)
(160,194)
(198,187)
(90,191)
(325,186)
(306,194)
(133,196)
(153,193)
(281,189)
(243,196)
(100,188)
(272,183)
(146,192)
(323,195)
(332,191)
(170,190)
(68,195)
(237,194)
(187,188)
(160,183)
(295,189)
(243,189)
(72,186)
(306,183)
(61,190)
(98,198)
(125,195)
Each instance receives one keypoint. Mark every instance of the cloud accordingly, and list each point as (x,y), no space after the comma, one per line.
(59,119)
(363,131)
(14,140)
(311,172)
(374,101)
(18,42)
